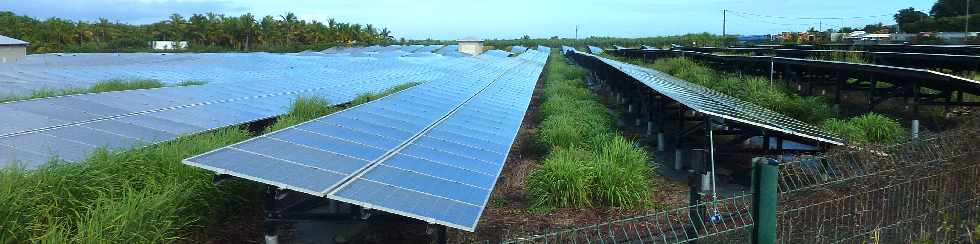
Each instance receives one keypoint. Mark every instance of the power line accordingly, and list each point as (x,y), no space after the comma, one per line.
(810,18)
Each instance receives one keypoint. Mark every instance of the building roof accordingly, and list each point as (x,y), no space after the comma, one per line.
(7,41)
(470,39)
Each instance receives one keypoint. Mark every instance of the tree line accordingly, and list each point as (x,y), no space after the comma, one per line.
(945,16)
(204,32)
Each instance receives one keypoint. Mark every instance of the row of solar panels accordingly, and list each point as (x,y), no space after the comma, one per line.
(71,127)
(432,152)
(713,103)
(53,72)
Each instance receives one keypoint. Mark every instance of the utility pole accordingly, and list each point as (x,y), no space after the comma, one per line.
(724,27)
(966,29)
(576,32)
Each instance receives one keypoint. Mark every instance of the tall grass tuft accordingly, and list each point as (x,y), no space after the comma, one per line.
(622,173)
(564,180)
(122,85)
(868,128)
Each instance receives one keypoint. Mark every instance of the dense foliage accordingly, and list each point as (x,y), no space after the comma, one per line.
(945,16)
(589,163)
(702,39)
(204,32)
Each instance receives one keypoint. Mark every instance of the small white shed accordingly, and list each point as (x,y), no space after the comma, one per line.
(168,45)
(471,45)
(12,50)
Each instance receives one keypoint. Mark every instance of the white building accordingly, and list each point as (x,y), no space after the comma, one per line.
(168,45)
(471,45)
(12,50)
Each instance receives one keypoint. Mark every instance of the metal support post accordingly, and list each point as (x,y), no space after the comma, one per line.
(765,174)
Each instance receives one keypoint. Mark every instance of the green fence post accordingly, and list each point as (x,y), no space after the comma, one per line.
(765,173)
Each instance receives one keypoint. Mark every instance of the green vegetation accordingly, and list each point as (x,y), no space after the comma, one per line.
(143,195)
(867,128)
(367,97)
(588,164)
(210,32)
(139,196)
(870,128)
(102,86)
(850,57)
(695,40)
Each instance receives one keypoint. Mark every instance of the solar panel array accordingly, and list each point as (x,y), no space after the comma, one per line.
(432,152)
(71,127)
(714,103)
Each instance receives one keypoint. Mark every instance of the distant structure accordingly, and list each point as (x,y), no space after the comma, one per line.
(168,45)
(471,45)
(12,50)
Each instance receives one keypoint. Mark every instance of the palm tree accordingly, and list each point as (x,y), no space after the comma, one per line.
(289,22)
(177,26)
(247,23)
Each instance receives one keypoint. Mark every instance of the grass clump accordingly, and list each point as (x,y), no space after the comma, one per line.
(622,174)
(303,109)
(122,85)
(588,164)
(564,179)
(367,97)
(102,86)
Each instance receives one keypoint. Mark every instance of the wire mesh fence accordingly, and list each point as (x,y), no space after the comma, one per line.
(925,190)
(721,221)
(922,191)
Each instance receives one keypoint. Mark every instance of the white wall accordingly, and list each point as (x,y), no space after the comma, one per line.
(168,45)
(10,54)
(471,48)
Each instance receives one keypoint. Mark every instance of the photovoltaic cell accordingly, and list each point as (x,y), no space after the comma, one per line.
(432,152)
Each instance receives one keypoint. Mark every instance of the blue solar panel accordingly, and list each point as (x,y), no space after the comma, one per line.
(242,93)
(432,152)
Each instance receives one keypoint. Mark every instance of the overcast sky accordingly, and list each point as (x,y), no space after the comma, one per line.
(444,19)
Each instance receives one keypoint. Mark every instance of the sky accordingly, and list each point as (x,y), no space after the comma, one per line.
(500,19)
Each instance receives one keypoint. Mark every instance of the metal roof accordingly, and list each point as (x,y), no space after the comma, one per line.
(8,41)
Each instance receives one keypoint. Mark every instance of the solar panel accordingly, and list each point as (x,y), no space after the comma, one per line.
(518,49)
(432,152)
(714,103)
(595,50)
(71,127)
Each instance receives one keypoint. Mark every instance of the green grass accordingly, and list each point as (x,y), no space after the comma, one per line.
(849,57)
(142,195)
(870,128)
(138,196)
(102,86)
(367,97)
(589,164)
